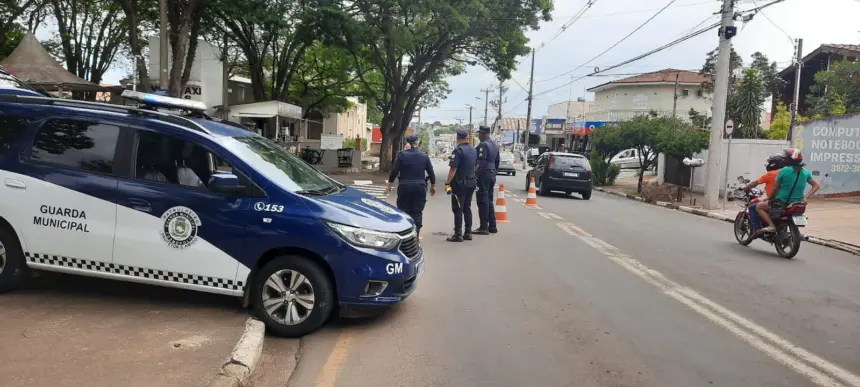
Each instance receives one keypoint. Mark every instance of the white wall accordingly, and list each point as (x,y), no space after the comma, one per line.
(577,109)
(351,124)
(206,72)
(651,97)
(748,158)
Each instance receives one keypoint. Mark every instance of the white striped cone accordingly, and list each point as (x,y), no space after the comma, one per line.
(531,199)
(501,206)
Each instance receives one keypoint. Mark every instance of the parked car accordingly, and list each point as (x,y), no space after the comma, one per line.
(629,159)
(507,164)
(558,171)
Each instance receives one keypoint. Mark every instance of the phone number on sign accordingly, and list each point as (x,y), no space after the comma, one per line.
(845,168)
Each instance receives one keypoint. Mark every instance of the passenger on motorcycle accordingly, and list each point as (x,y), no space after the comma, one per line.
(786,190)
(774,164)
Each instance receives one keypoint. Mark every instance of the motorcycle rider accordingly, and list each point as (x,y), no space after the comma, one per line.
(785,190)
(774,163)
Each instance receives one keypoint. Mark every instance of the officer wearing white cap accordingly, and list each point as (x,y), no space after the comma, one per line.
(460,184)
(488,163)
(411,165)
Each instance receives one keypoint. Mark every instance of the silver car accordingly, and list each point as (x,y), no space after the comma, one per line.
(507,164)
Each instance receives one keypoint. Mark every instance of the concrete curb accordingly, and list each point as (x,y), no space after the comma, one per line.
(846,247)
(237,371)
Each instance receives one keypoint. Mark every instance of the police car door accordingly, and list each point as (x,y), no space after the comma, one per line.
(171,229)
(64,193)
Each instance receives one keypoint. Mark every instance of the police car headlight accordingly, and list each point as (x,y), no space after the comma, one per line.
(365,238)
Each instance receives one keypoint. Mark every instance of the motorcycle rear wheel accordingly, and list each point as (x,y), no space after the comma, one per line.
(742,230)
(787,237)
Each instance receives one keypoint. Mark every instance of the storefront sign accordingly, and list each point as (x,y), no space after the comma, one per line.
(331,141)
(535,127)
(553,125)
(831,151)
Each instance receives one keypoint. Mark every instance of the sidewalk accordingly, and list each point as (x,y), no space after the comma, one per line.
(832,221)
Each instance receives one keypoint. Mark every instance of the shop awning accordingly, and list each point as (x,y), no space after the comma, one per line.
(268,109)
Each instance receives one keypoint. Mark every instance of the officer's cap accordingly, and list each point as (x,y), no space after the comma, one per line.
(461,134)
(484,129)
(412,138)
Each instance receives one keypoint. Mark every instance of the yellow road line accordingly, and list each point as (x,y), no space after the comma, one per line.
(329,371)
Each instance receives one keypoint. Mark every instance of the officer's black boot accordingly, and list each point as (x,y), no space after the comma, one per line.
(493,230)
(481,231)
(467,236)
(456,238)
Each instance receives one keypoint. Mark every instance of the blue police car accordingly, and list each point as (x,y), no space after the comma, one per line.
(183,200)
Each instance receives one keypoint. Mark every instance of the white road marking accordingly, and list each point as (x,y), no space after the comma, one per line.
(362,182)
(532,207)
(520,200)
(373,190)
(554,216)
(544,215)
(816,369)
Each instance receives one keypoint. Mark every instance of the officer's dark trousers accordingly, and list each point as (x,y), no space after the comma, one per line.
(411,198)
(461,204)
(484,197)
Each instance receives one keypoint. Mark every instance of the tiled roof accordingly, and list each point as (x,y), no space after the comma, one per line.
(667,75)
(849,47)
(512,123)
(662,76)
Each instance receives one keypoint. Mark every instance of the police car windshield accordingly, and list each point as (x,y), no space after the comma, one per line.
(279,166)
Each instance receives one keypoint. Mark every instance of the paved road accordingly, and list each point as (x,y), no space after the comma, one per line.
(605,292)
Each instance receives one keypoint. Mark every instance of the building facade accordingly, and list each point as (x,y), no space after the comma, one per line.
(665,92)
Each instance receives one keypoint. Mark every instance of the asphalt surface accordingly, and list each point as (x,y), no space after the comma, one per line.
(604,292)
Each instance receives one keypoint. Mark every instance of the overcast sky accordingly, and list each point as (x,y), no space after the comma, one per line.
(606,22)
(815,21)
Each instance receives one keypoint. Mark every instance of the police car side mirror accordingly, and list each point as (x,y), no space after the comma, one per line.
(225,183)
(531,163)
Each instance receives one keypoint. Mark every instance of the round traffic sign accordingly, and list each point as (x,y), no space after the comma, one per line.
(730,127)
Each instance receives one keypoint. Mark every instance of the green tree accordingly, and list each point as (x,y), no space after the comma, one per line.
(836,91)
(409,42)
(699,120)
(90,34)
(11,14)
(608,142)
(773,83)
(780,124)
(140,16)
(642,133)
(746,102)
(677,139)
(323,79)
(710,68)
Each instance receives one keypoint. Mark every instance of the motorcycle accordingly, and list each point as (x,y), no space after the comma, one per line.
(787,237)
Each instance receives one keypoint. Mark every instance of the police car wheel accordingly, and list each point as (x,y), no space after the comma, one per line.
(13,269)
(293,296)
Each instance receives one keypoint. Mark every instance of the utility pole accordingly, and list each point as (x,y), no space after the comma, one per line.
(470,121)
(675,103)
(225,76)
(486,104)
(721,88)
(796,102)
(162,43)
(529,111)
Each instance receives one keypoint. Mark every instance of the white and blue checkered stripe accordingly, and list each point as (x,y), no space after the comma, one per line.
(105,267)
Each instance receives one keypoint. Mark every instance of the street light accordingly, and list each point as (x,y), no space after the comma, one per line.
(470,119)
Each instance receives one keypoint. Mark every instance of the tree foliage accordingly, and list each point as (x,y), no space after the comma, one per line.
(408,43)
(836,91)
(90,34)
(746,103)
(780,124)
(608,142)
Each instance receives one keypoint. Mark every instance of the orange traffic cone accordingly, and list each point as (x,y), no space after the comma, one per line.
(501,206)
(531,199)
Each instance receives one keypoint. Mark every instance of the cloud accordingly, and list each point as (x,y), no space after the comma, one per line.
(608,21)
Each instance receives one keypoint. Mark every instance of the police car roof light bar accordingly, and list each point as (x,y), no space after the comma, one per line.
(174,119)
(156,100)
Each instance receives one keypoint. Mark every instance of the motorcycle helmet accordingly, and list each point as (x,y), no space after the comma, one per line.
(775,162)
(792,156)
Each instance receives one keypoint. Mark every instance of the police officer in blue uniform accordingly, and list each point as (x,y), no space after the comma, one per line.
(411,165)
(488,163)
(460,184)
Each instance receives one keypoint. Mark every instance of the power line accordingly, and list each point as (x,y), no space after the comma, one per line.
(563,28)
(776,25)
(616,43)
(636,58)
(515,107)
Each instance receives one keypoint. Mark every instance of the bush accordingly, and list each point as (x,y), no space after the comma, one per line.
(602,172)
(349,143)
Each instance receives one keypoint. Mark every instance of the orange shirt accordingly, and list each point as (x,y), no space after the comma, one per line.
(769,180)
